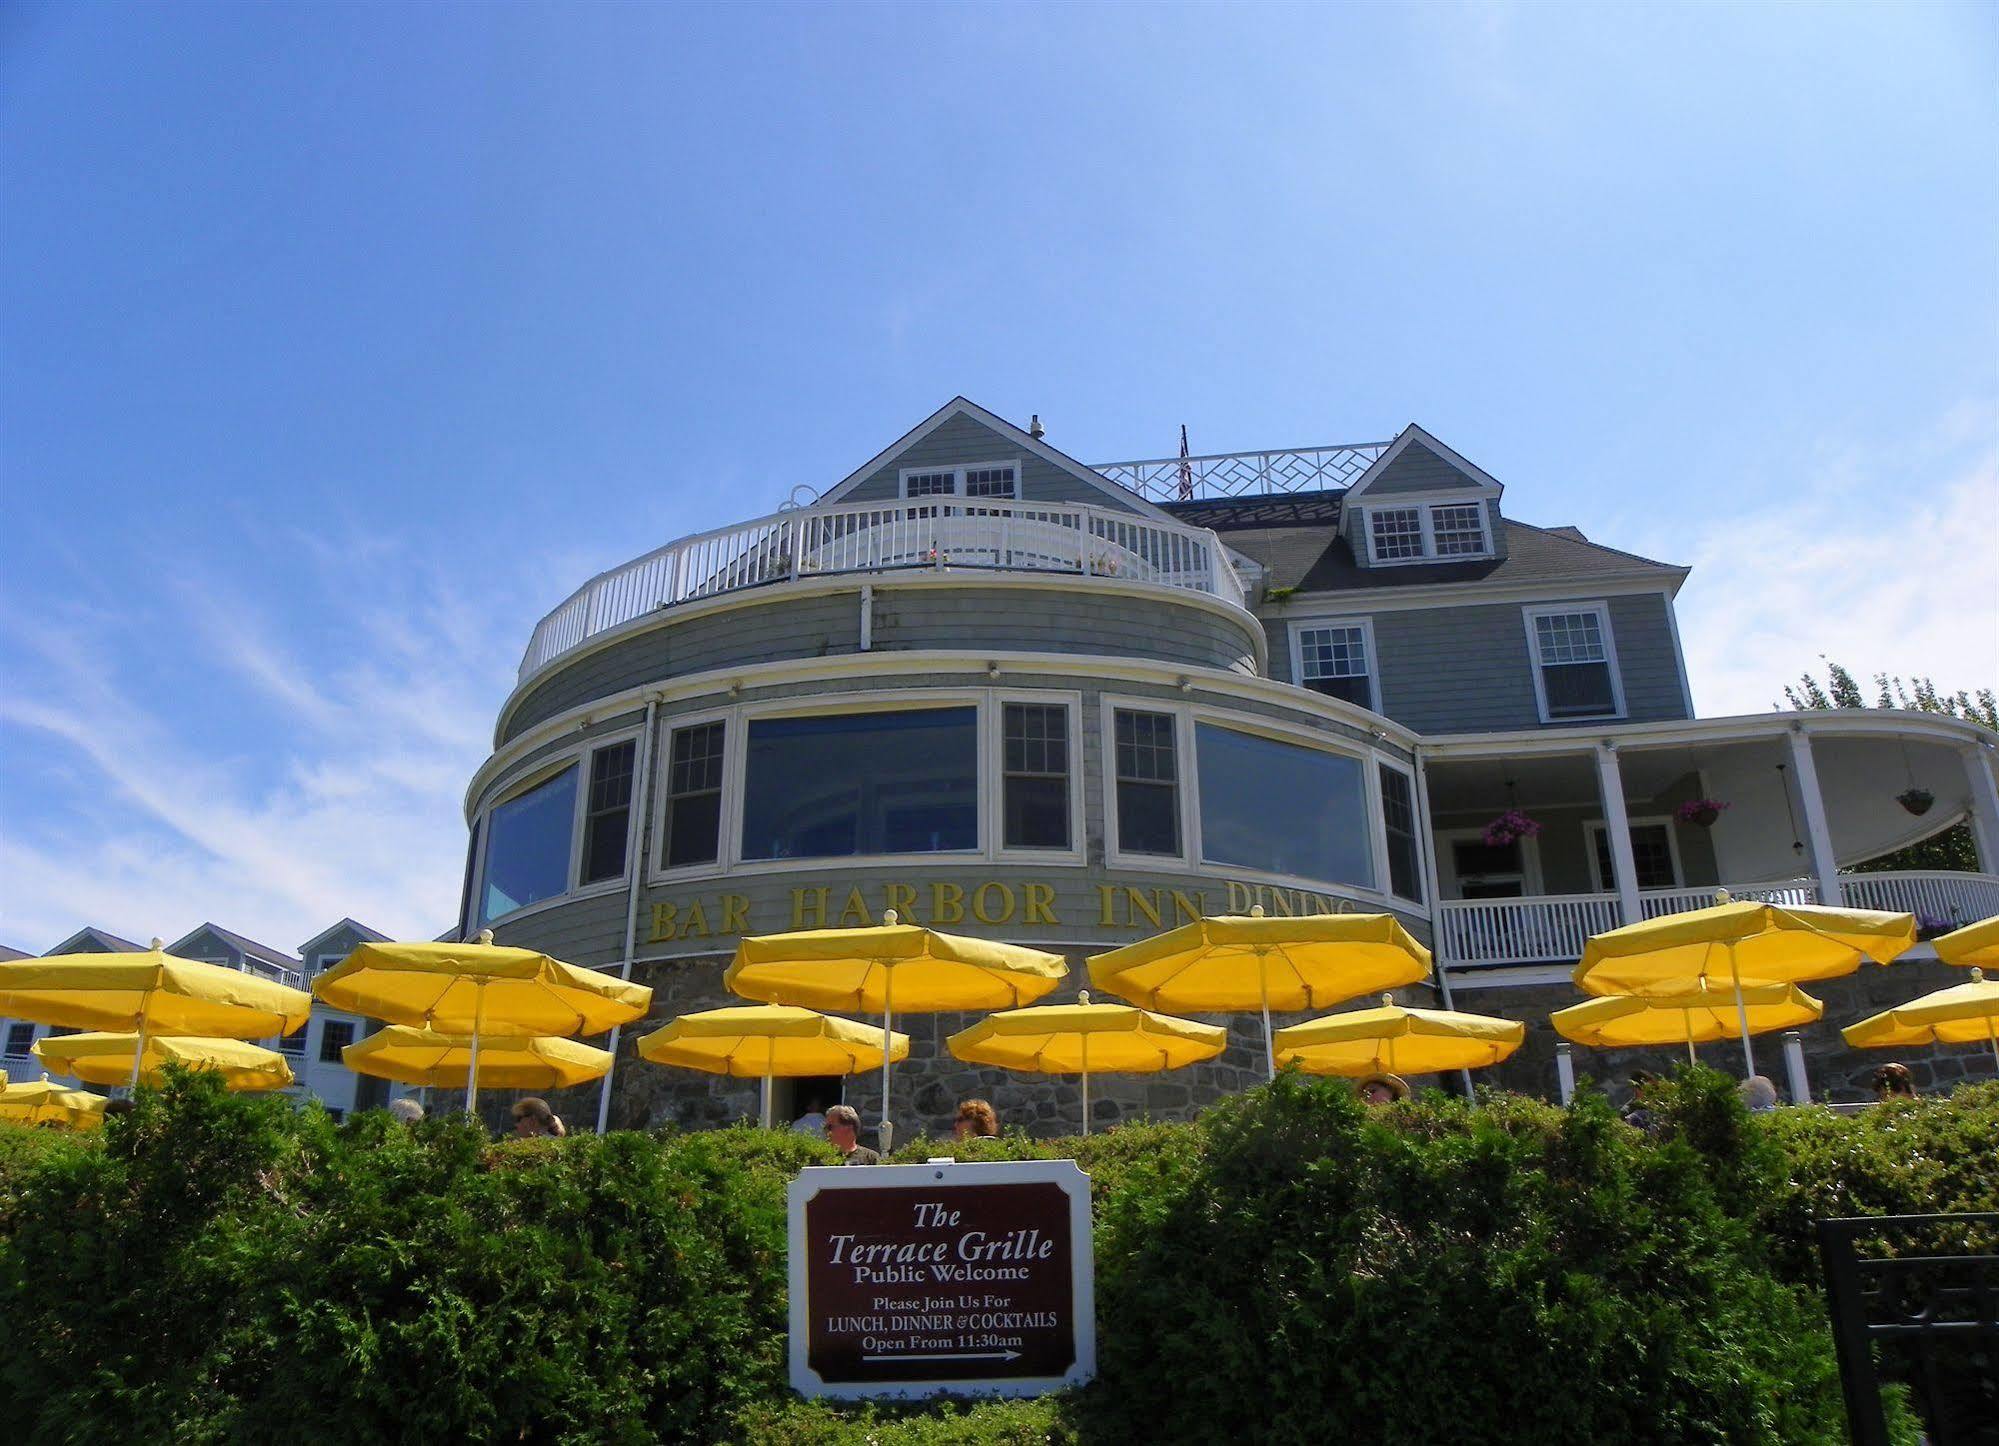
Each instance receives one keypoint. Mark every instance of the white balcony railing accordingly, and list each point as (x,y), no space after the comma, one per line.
(937,533)
(1552,929)
(1245,474)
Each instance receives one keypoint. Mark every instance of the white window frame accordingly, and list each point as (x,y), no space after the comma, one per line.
(1296,629)
(993,746)
(1424,508)
(1450,886)
(353,1023)
(1109,705)
(1601,608)
(657,870)
(1278,732)
(541,771)
(735,766)
(1595,828)
(1416,831)
(956,472)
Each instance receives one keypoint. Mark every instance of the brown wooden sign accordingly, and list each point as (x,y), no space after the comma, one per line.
(913,1279)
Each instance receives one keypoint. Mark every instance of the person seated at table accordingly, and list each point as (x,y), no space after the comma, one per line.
(843,1128)
(1893,1082)
(533,1117)
(1382,1089)
(976,1120)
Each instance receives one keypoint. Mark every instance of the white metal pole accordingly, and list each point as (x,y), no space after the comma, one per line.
(766,1110)
(1794,1068)
(1263,991)
(886,1132)
(1565,1073)
(1086,1084)
(1741,1013)
(472,1070)
(1688,1016)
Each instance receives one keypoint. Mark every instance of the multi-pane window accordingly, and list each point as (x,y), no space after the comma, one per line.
(527,847)
(1282,808)
(20,1039)
(694,795)
(608,812)
(334,1036)
(294,1043)
(1398,818)
(1458,529)
(1651,856)
(1333,660)
(929,484)
(1148,784)
(989,482)
(1396,532)
(1034,742)
(1574,659)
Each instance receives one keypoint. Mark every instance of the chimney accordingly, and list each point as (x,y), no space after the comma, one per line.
(1034,427)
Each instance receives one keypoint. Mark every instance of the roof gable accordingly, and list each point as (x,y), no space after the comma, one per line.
(1012,438)
(92,940)
(248,948)
(1417,462)
(9,953)
(352,928)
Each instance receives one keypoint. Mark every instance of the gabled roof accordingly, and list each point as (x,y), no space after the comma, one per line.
(7,952)
(1026,441)
(1318,560)
(92,940)
(1414,436)
(247,947)
(371,936)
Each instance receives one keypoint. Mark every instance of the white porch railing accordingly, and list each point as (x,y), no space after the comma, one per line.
(939,533)
(1245,474)
(1552,929)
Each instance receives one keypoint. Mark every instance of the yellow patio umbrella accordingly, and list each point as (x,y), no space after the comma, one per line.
(1233,962)
(892,965)
(1081,1037)
(150,992)
(1394,1040)
(770,1041)
(1745,942)
(39,1102)
(1961,1014)
(106,1059)
(1973,944)
(1630,1021)
(479,990)
(413,1056)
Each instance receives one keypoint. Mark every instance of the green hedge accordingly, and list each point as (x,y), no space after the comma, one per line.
(1291,1268)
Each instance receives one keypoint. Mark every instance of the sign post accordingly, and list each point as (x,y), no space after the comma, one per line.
(912,1280)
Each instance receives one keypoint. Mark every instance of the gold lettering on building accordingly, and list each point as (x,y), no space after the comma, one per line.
(1037,904)
(947,903)
(856,915)
(808,914)
(987,912)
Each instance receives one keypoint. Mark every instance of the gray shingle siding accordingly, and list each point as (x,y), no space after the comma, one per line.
(1466,669)
(1417,469)
(960,441)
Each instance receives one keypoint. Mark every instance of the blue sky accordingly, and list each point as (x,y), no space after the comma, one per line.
(338,343)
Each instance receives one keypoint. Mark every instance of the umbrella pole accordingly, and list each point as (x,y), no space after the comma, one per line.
(472,1071)
(766,1101)
(1687,1017)
(1741,1015)
(1263,993)
(1993,1039)
(886,1132)
(1086,1084)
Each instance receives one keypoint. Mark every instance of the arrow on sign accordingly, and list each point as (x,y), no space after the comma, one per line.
(950,1356)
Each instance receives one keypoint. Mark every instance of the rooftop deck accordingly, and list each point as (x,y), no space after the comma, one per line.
(1245,474)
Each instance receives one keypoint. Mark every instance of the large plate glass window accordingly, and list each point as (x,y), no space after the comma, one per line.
(1148,784)
(607,823)
(527,847)
(1282,808)
(1395,532)
(694,795)
(1574,658)
(1458,529)
(1034,768)
(1398,819)
(842,785)
(1333,660)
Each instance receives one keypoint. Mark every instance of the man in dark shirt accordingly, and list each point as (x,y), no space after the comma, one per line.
(843,1128)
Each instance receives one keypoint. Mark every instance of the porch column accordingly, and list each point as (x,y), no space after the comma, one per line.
(1617,830)
(1818,837)
(1984,806)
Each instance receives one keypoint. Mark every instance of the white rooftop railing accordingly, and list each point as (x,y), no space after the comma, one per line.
(934,533)
(1245,474)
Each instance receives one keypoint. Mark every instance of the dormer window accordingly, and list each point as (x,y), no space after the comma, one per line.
(983,479)
(1426,533)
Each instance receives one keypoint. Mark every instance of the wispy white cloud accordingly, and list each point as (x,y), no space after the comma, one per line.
(354,716)
(1884,560)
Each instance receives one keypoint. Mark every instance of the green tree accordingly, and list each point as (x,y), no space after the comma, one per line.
(1951,848)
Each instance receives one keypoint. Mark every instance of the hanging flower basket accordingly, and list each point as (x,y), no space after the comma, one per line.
(1510,827)
(1916,800)
(1929,926)
(1701,812)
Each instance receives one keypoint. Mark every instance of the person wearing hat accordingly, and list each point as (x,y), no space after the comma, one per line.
(1382,1089)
